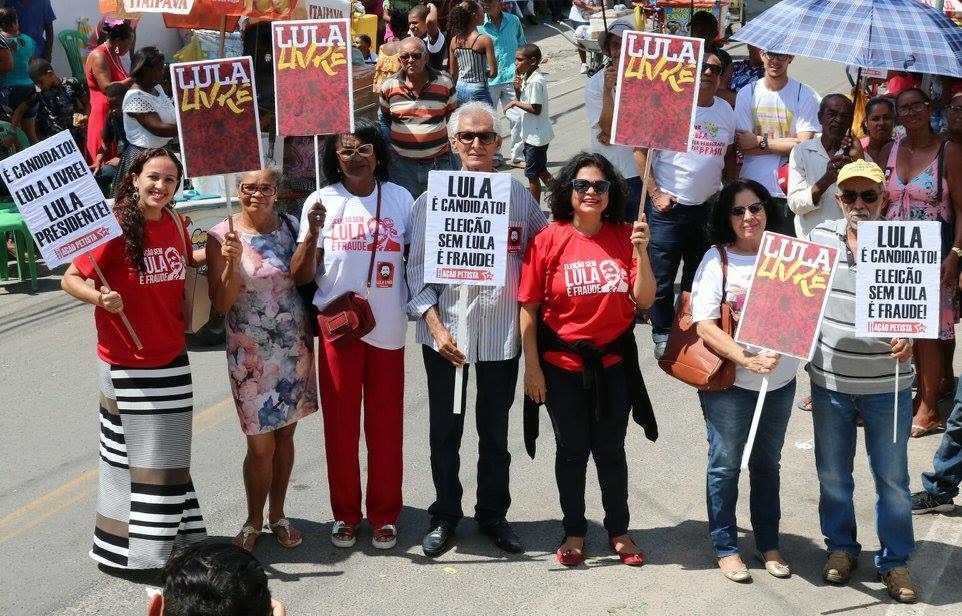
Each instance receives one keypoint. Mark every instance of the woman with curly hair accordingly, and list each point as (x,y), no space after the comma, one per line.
(582,279)
(353,238)
(471,59)
(146,505)
(270,349)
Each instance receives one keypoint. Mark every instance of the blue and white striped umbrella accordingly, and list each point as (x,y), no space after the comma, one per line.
(903,35)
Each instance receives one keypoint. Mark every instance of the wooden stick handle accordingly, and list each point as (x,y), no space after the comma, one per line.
(644,183)
(123,317)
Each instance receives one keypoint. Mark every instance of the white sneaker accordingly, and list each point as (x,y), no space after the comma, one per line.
(584,68)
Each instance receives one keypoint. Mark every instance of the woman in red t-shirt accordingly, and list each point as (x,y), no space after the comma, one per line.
(582,279)
(147,501)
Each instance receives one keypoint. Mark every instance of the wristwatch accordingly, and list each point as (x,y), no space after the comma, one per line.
(763,144)
(957,251)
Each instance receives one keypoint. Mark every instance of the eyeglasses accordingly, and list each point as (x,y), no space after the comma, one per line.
(754,208)
(265,189)
(348,153)
(848,197)
(778,57)
(582,186)
(414,55)
(713,68)
(955,108)
(467,137)
(915,107)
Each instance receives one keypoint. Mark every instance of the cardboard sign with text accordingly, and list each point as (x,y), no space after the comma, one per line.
(175,7)
(657,91)
(312,77)
(897,279)
(59,199)
(466,228)
(787,296)
(217,118)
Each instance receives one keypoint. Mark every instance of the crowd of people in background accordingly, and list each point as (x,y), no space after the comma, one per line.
(439,87)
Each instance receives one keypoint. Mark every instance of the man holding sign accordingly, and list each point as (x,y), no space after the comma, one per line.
(852,376)
(492,345)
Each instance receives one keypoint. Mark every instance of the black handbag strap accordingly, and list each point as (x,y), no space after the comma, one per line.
(377,229)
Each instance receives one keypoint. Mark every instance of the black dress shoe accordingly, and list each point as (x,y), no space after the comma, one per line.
(504,537)
(437,540)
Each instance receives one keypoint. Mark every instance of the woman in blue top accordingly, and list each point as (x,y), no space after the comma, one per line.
(16,85)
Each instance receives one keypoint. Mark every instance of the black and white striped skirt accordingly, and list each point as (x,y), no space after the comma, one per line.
(146,503)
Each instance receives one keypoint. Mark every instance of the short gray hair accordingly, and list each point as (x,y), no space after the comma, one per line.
(471,107)
(272,169)
(424,46)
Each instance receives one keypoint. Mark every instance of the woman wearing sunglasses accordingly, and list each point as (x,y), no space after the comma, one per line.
(742,212)
(355,234)
(582,279)
(270,353)
(925,183)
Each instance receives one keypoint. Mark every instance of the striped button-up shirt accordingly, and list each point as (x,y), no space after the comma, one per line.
(493,333)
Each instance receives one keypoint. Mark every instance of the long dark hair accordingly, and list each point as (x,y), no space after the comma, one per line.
(720,229)
(559,195)
(461,18)
(366,132)
(127,205)
(115,32)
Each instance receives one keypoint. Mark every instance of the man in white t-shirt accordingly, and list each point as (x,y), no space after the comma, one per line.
(773,115)
(680,185)
(599,106)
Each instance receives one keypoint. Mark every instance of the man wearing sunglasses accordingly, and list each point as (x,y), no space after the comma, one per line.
(856,376)
(773,115)
(492,353)
(414,106)
(679,189)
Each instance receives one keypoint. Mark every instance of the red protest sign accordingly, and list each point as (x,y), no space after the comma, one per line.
(312,57)
(786,300)
(217,118)
(658,78)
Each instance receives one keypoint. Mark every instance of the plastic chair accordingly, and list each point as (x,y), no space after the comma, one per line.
(7,129)
(12,222)
(9,206)
(73,42)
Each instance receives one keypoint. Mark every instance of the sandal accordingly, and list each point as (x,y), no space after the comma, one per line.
(385,537)
(920,430)
(246,538)
(286,535)
(804,404)
(343,535)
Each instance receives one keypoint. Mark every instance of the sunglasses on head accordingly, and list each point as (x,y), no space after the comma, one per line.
(414,55)
(848,197)
(582,186)
(754,208)
(467,137)
(265,189)
(348,153)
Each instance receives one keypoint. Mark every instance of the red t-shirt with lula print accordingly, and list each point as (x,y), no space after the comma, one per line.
(582,285)
(152,300)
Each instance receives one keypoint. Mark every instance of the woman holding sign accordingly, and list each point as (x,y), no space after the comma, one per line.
(355,233)
(270,351)
(582,279)
(742,212)
(146,503)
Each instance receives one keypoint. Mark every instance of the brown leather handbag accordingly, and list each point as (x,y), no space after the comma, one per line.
(687,357)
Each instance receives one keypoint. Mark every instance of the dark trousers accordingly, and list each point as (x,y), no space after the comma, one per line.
(676,235)
(787,226)
(577,434)
(496,381)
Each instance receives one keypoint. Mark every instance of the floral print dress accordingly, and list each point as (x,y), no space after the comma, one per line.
(270,354)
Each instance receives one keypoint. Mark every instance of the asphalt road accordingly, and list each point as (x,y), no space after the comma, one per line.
(48,488)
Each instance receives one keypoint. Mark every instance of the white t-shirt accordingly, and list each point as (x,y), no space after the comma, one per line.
(621,156)
(781,113)
(139,101)
(706,296)
(692,177)
(346,239)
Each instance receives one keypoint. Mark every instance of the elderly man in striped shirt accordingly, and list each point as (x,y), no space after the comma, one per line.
(414,107)
(493,352)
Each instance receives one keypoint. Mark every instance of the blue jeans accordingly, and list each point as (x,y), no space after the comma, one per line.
(470,91)
(412,173)
(728,417)
(943,481)
(835,437)
(676,235)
